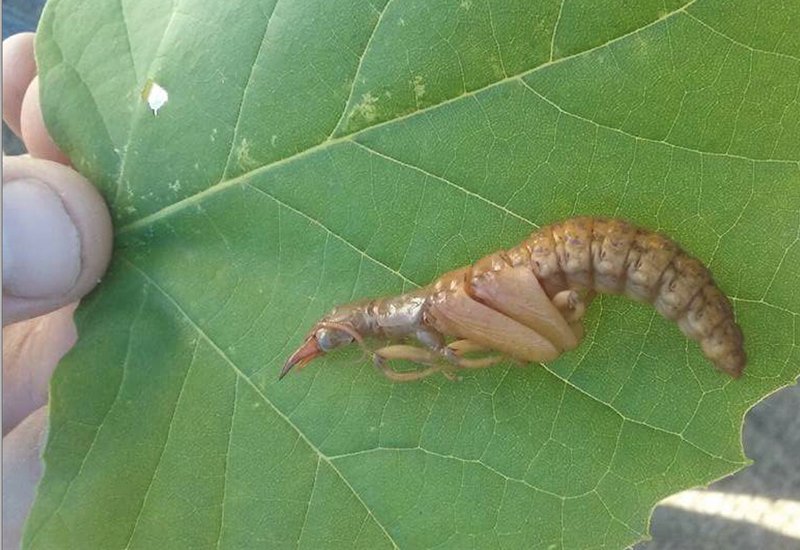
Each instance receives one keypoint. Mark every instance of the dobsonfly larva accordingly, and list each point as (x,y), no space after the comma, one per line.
(526,303)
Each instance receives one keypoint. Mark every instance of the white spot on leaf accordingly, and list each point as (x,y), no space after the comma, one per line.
(419,87)
(366,108)
(155,96)
(243,155)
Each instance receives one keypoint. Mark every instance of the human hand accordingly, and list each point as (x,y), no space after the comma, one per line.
(56,245)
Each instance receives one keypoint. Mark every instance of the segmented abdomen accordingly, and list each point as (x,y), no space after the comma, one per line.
(612,256)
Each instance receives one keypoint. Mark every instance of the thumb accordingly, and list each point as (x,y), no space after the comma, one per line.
(56,237)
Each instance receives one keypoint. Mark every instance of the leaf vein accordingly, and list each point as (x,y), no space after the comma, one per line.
(258,392)
(448,182)
(240,107)
(349,99)
(738,43)
(227,460)
(163,446)
(338,237)
(177,206)
(652,140)
(132,129)
(105,416)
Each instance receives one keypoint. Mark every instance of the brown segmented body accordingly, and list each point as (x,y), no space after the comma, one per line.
(526,302)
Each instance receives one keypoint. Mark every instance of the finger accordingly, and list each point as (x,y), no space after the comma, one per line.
(19,68)
(22,469)
(56,237)
(31,351)
(34,133)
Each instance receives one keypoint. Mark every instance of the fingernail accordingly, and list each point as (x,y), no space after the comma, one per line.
(41,245)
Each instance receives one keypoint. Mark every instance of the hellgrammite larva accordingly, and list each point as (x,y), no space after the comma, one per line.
(526,303)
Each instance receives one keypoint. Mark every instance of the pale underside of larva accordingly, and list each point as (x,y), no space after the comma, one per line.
(526,303)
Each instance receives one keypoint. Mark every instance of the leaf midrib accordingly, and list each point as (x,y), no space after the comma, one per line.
(351,137)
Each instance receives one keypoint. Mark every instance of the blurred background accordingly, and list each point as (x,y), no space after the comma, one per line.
(757,509)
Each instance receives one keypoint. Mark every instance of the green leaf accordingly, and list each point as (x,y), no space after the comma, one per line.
(316,151)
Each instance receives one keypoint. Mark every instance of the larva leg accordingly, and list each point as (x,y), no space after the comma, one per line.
(461,347)
(570,305)
(408,353)
(481,363)
(454,353)
(427,357)
(458,314)
(573,309)
(516,292)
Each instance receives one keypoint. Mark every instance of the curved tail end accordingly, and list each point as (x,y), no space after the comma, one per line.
(724,347)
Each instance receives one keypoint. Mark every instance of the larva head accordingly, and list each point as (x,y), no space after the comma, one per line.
(337,329)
